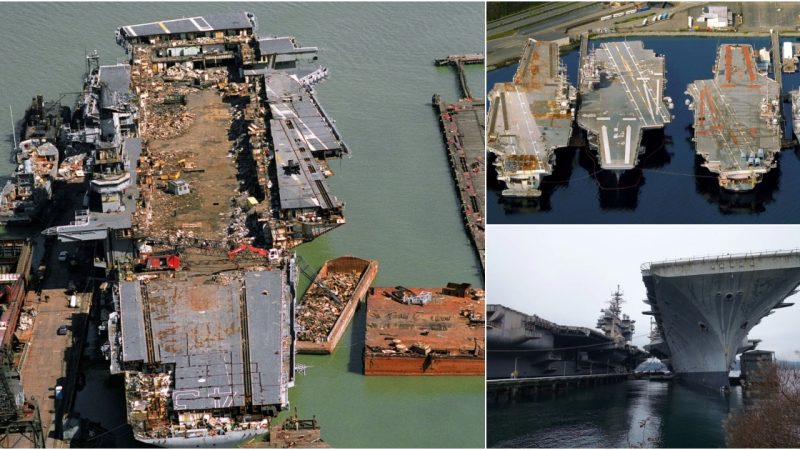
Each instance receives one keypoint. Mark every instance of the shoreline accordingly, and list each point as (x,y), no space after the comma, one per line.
(698,34)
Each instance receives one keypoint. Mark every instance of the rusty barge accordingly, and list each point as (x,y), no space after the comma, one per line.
(425,331)
(331,301)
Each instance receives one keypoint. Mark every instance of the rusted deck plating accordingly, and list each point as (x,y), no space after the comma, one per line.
(737,127)
(444,325)
(530,118)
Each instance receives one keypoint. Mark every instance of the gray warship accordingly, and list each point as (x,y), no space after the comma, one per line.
(525,346)
(621,90)
(737,119)
(530,118)
(704,309)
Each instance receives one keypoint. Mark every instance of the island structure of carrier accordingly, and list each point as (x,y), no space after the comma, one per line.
(737,119)
(529,118)
(519,345)
(621,95)
(704,309)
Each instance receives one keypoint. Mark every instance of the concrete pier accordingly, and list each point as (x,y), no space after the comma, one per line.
(511,389)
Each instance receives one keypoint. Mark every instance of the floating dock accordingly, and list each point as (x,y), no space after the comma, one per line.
(530,118)
(737,119)
(621,90)
(330,302)
(463,126)
(425,331)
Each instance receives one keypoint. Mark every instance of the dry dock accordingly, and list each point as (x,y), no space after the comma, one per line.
(621,94)
(530,118)
(463,125)
(737,119)
(330,302)
(425,331)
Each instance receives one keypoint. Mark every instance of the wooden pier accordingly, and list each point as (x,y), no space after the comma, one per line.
(458,61)
(463,125)
(510,389)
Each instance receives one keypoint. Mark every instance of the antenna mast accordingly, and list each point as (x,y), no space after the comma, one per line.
(13,128)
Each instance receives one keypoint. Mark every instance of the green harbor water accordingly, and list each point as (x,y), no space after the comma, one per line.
(401,205)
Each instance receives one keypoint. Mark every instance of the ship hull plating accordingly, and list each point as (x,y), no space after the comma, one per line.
(705,308)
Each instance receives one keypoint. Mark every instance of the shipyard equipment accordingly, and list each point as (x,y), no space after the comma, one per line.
(704,308)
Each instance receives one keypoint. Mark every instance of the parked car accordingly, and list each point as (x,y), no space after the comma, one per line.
(62,330)
(63,256)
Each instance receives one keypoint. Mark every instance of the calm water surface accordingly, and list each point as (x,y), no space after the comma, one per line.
(401,205)
(636,413)
(670,186)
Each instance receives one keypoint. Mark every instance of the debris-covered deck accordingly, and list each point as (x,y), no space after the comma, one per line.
(438,332)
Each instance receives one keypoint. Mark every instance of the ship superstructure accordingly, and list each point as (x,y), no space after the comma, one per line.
(30,187)
(704,308)
(621,91)
(521,345)
(530,118)
(737,119)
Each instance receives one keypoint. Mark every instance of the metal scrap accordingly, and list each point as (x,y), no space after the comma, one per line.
(318,313)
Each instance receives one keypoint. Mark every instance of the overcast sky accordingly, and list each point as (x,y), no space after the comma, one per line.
(566,274)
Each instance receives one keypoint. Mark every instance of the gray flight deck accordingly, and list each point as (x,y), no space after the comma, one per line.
(737,119)
(530,118)
(621,91)
(200,327)
(198,24)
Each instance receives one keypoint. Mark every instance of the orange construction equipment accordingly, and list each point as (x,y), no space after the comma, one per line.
(259,251)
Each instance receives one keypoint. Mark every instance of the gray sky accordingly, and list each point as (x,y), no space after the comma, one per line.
(566,273)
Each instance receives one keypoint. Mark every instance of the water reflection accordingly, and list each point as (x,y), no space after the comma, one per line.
(621,192)
(750,202)
(636,413)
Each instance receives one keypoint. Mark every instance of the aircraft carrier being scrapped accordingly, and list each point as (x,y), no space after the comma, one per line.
(705,307)
(621,90)
(530,118)
(737,119)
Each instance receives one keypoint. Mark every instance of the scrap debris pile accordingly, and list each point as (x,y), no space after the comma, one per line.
(148,396)
(318,312)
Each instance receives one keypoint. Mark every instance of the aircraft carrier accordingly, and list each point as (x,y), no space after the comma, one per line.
(530,118)
(525,346)
(621,89)
(737,119)
(705,307)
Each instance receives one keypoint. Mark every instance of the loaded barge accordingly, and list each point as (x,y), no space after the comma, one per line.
(425,331)
(330,302)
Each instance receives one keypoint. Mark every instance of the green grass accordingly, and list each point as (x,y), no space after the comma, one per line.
(501,35)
